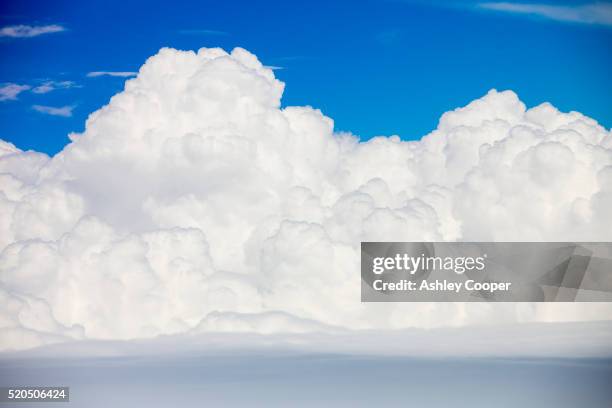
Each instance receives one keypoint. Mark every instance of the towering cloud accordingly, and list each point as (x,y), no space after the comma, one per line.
(192,201)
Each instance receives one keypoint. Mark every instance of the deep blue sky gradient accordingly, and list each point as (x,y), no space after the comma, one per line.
(375,67)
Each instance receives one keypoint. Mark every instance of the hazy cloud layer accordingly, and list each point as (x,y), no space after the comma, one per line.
(555,340)
(193,203)
(562,365)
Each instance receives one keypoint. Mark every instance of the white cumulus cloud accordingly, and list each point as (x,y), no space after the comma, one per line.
(194,202)
(26,31)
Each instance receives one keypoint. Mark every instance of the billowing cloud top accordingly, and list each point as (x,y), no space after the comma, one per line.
(193,202)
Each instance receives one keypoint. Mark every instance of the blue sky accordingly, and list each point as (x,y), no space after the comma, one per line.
(375,67)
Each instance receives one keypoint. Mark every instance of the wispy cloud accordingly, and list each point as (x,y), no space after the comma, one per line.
(10,91)
(592,13)
(123,74)
(50,86)
(64,111)
(274,67)
(27,31)
(284,62)
(203,32)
